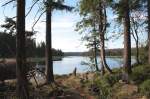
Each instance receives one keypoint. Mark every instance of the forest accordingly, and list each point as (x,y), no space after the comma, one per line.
(21,76)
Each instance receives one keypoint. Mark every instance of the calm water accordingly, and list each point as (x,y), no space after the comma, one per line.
(67,64)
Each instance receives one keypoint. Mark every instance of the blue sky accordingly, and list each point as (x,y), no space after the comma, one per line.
(63,25)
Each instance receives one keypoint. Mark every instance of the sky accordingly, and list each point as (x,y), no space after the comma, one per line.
(64,36)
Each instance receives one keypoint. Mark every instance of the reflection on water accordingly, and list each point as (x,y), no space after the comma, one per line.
(67,64)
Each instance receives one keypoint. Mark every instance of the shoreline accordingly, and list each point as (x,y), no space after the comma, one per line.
(36,59)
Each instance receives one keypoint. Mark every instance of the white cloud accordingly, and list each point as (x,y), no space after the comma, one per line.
(63,35)
(68,44)
(62,25)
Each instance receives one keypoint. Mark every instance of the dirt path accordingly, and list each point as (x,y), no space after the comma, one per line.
(76,88)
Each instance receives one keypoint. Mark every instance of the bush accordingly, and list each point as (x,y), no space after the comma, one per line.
(112,79)
(140,73)
(143,55)
(103,89)
(145,88)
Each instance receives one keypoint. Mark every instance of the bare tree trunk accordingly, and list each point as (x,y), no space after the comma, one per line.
(137,51)
(136,38)
(102,38)
(102,65)
(148,9)
(95,54)
(127,38)
(137,46)
(103,55)
(22,83)
(96,64)
(49,61)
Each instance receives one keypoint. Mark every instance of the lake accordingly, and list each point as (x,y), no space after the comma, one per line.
(68,64)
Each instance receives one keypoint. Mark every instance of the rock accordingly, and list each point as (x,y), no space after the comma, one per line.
(144,97)
(121,82)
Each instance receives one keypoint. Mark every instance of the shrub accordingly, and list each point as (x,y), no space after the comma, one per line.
(140,73)
(143,55)
(112,79)
(102,89)
(145,88)
(101,86)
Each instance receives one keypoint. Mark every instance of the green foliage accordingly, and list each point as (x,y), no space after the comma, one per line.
(111,79)
(104,88)
(143,54)
(145,88)
(86,6)
(8,47)
(57,5)
(10,26)
(140,73)
(109,83)
(40,51)
(119,7)
(105,84)
(88,26)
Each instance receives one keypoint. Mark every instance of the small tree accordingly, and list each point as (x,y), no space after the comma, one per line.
(95,11)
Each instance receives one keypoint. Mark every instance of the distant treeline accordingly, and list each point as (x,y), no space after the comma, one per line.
(119,51)
(75,53)
(8,47)
(109,52)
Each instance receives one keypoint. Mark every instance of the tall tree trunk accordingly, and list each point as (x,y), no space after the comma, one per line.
(137,45)
(49,61)
(127,38)
(137,50)
(95,54)
(22,83)
(136,38)
(148,9)
(103,58)
(100,30)
(102,38)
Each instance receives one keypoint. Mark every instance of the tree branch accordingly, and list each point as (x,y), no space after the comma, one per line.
(37,20)
(8,2)
(31,7)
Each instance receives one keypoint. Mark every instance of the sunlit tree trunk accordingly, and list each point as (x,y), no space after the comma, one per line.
(49,62)
(102,40)
(137,51)
(148,9)
(95,54)
(136,38)
(137,47)
(22,87)
(127,38)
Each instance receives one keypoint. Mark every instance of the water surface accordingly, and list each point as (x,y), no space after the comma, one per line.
(68,64)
